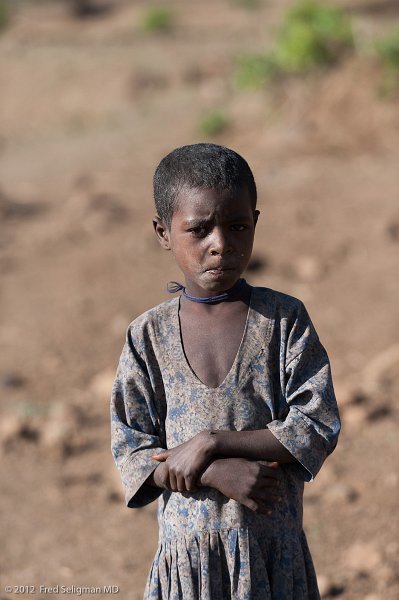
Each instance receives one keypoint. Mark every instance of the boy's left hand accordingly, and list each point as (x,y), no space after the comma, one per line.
(187,461)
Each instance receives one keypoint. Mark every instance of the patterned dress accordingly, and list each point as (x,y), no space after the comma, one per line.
(211,547)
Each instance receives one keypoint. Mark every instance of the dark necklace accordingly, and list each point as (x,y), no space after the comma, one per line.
(175,286)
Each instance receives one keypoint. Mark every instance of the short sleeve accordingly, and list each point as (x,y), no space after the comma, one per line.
(311,427)
(135,427)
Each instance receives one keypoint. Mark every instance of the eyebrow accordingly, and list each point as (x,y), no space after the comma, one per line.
(196,222)
(205,220)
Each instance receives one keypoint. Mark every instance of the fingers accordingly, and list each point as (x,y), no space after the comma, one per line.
(269,498)
(270,472)
(173,482)
(267,483)
(259,507)
(267,463)
(181,484)
(161,456)
(190,484)
(177,482)
(263,506)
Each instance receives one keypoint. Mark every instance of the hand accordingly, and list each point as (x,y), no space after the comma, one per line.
(255,484)
(186,462)
(160,477)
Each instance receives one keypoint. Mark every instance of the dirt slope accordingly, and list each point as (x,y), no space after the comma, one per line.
(87,109)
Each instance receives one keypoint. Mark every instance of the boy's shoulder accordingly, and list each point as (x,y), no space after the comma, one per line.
(278,305)
(154,317)
(273,304)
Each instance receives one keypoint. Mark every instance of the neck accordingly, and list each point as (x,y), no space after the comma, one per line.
(236,292)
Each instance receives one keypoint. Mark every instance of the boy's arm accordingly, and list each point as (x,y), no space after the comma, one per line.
(257,445)
(310,428)
(159,477)
(135,431)
(254,484)
(309,431)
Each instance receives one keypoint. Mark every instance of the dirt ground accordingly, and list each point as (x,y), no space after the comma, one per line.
(87,109)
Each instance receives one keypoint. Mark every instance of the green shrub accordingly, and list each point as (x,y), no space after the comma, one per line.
(158,20)
(387,48)
(214,122)
(4,14)
(312,35)
(254,71)
(246,3)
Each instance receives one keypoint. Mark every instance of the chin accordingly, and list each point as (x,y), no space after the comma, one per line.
(222,281)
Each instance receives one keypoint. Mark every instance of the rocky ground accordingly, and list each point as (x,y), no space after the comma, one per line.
(88,108)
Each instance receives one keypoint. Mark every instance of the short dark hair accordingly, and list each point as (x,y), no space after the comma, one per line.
(199,166)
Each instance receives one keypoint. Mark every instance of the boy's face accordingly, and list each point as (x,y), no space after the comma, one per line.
(211,236)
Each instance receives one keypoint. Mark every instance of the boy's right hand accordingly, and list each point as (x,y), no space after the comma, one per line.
(255,484)
(160,477)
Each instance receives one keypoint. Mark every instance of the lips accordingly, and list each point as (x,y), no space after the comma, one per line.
(221,268)
(219,271)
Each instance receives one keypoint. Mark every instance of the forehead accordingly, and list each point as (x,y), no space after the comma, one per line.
(207,202)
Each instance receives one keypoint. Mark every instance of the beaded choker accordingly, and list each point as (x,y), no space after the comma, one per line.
(175,286)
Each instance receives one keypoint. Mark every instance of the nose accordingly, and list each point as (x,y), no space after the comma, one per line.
(220,242)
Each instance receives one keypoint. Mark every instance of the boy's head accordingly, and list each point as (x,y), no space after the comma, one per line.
(201,166)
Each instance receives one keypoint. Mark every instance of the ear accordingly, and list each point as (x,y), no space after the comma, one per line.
(256,216)
(162,233)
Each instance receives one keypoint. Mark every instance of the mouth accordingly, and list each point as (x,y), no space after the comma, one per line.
(219,270)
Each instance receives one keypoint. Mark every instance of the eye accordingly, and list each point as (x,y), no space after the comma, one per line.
(199,231)
(238,227)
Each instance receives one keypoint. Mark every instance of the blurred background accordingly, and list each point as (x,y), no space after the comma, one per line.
(93,93)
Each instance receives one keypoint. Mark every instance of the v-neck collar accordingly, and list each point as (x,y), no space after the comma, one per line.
(182,361)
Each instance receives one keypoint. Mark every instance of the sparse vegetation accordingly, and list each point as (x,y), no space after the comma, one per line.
(158,20)
(4,14)
(254,71)
(387,48)
(312,36)
(214,123)
(250,4)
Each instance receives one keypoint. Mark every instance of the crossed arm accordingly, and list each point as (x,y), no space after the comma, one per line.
(243,465)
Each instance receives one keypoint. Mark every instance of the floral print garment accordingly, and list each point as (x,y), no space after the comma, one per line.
(211,547)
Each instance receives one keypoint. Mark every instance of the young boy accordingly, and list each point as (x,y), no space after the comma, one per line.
(223,400)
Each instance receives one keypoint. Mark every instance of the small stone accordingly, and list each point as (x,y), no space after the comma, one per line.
(392,231)
(65,571)
(12,380)
(354,416)
(324,585)
(257,263)
(14,428)
(62,432)
(11,427)
(308,268)
(114,496)
(363,557)
(341,492)
(102,383)
(55,437)
(347,394)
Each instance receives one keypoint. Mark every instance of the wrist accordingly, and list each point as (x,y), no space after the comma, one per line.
(217,441)
(207,478)
(157,477)
(213,442)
